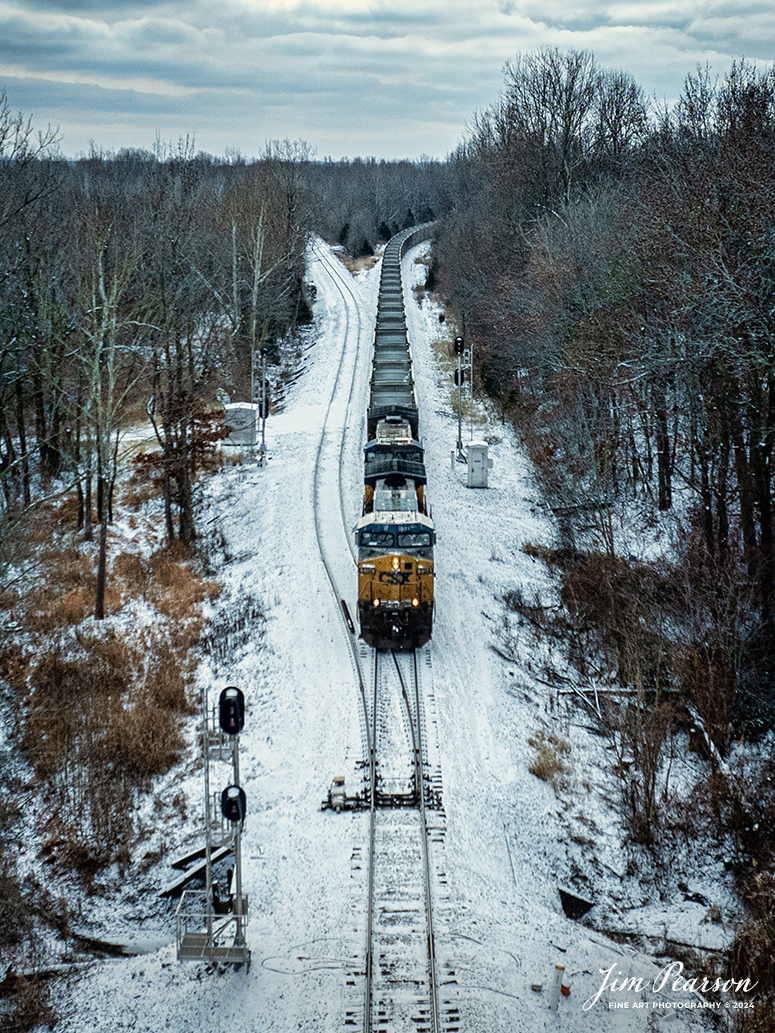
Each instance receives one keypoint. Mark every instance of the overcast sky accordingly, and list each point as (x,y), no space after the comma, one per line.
(389,78)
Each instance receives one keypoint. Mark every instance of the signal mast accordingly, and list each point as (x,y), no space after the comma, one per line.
(209,928)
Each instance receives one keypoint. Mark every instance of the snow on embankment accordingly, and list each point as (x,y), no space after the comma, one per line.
(509,842)
(502,928)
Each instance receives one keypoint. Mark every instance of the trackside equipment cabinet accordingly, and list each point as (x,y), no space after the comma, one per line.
(479,463)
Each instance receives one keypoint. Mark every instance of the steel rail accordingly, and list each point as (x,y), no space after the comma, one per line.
(369,966)
(343,287)
(418,746)
(414,733)
(426,864)
(351,641)
(412,703)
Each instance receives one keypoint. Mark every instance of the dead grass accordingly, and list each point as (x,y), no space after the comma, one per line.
(581,840)
(754,946)
(151,858)
(15,665)
(111,663)
(761,1019)
(109,716)
(67,511)
(131,572)
(67,609)
(357,265)
(113,600)
(64,592)
(10,599)
(540,552)
(69,570)
(550,763)
(176,590)
(145,484)
(444,350)
(40,523)
(100,712)
(167,681)
(164,560)
(71,609)
(51,714)
(186,636)
(145,739)
(29,1007)
(708,677)
(181,601)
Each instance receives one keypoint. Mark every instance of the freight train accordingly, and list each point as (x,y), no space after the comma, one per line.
(395,534)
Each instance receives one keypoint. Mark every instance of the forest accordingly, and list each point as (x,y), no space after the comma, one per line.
(613,263)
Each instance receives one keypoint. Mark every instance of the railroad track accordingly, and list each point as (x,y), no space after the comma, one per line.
(398,964)
(401,989)
(345,385)
(328,479)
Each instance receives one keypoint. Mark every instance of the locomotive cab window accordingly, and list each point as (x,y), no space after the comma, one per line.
(414,540)
(377,538)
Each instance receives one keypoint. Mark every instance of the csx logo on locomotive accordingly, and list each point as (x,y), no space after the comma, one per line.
(394,577)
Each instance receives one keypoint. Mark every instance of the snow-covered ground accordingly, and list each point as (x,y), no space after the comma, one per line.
(500,928)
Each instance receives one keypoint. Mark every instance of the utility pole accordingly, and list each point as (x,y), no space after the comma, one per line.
(253,378)
(258,397)
(208,822)
(262,451)
(459,346)
(469,362)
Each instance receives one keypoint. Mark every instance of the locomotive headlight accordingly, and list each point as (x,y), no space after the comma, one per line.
(376,602)
(396,563)
(415,602)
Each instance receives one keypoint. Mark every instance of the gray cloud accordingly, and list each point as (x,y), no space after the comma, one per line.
(390,78)
(104,8)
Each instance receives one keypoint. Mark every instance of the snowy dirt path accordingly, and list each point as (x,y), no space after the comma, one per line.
(500,927)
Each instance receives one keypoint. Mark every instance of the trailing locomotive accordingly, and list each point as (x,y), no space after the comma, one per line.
(395,534)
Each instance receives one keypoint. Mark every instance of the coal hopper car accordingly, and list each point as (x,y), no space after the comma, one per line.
(395,534)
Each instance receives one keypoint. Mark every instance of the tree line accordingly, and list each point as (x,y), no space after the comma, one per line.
(146,280)
(362,202)
(612,261)
(614,264)
(133,285)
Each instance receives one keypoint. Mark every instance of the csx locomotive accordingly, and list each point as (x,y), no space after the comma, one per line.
(395,534)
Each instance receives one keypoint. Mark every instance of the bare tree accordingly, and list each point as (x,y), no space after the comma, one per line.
(24,177)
